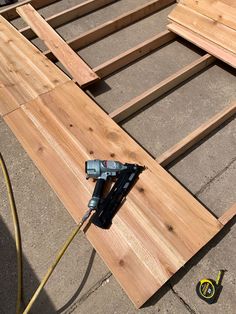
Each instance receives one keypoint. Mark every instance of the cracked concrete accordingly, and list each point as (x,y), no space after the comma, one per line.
(169,303)
(183,301)
(218,175)
(82,283)
(208,159)
(76,305)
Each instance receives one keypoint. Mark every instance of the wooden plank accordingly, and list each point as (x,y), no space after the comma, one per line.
(69,15)
(134,53)
(230,3)
(217,10)
(161,88)
(10,12)
(113,26)
(79,70)
(228,215)
(204,44)
(197,135)
(204,26)
(153,234)
(25,72)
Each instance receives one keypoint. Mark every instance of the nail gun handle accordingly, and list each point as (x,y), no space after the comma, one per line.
(99,188)
(97,194)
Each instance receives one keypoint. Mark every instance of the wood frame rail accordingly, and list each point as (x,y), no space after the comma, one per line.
(115,25)
(69,15)
(134,53)
(197,135)
(10,13)
(161,88)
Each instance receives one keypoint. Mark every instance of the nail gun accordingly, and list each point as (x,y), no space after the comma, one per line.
(102,170)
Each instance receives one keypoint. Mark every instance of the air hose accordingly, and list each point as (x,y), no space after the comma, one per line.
(19,247)
(17,234)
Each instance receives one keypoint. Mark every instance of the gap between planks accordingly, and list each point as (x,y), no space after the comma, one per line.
(115,25)
(161,88)
(69,15)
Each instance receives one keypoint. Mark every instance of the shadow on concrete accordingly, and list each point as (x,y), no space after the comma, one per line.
(8,278)
(98,88)
(190,46)
(84,279)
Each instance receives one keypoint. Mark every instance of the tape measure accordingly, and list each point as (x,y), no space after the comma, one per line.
(209,289)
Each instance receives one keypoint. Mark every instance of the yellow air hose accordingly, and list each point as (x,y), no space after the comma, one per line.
(19,249)
(17,234)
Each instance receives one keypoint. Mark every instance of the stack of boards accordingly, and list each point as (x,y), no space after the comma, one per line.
(209,24)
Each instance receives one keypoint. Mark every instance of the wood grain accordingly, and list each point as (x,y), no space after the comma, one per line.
(204,26)
(159,227)
(219,11)
(25,73)
(78,69)
(197,135)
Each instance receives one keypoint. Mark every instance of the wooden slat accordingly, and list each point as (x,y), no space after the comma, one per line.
(161,88)
(10,13)
(204,26)
(113,26)
(217,10)
(153,234)
(69,15)
(79,70)
(134,53)
(228,215)
(204,44)
(25,73)
(194,137)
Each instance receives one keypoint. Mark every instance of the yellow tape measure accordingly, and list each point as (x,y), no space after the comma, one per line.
(209,289)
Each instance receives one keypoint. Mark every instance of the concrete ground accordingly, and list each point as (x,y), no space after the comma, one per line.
(82,283)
